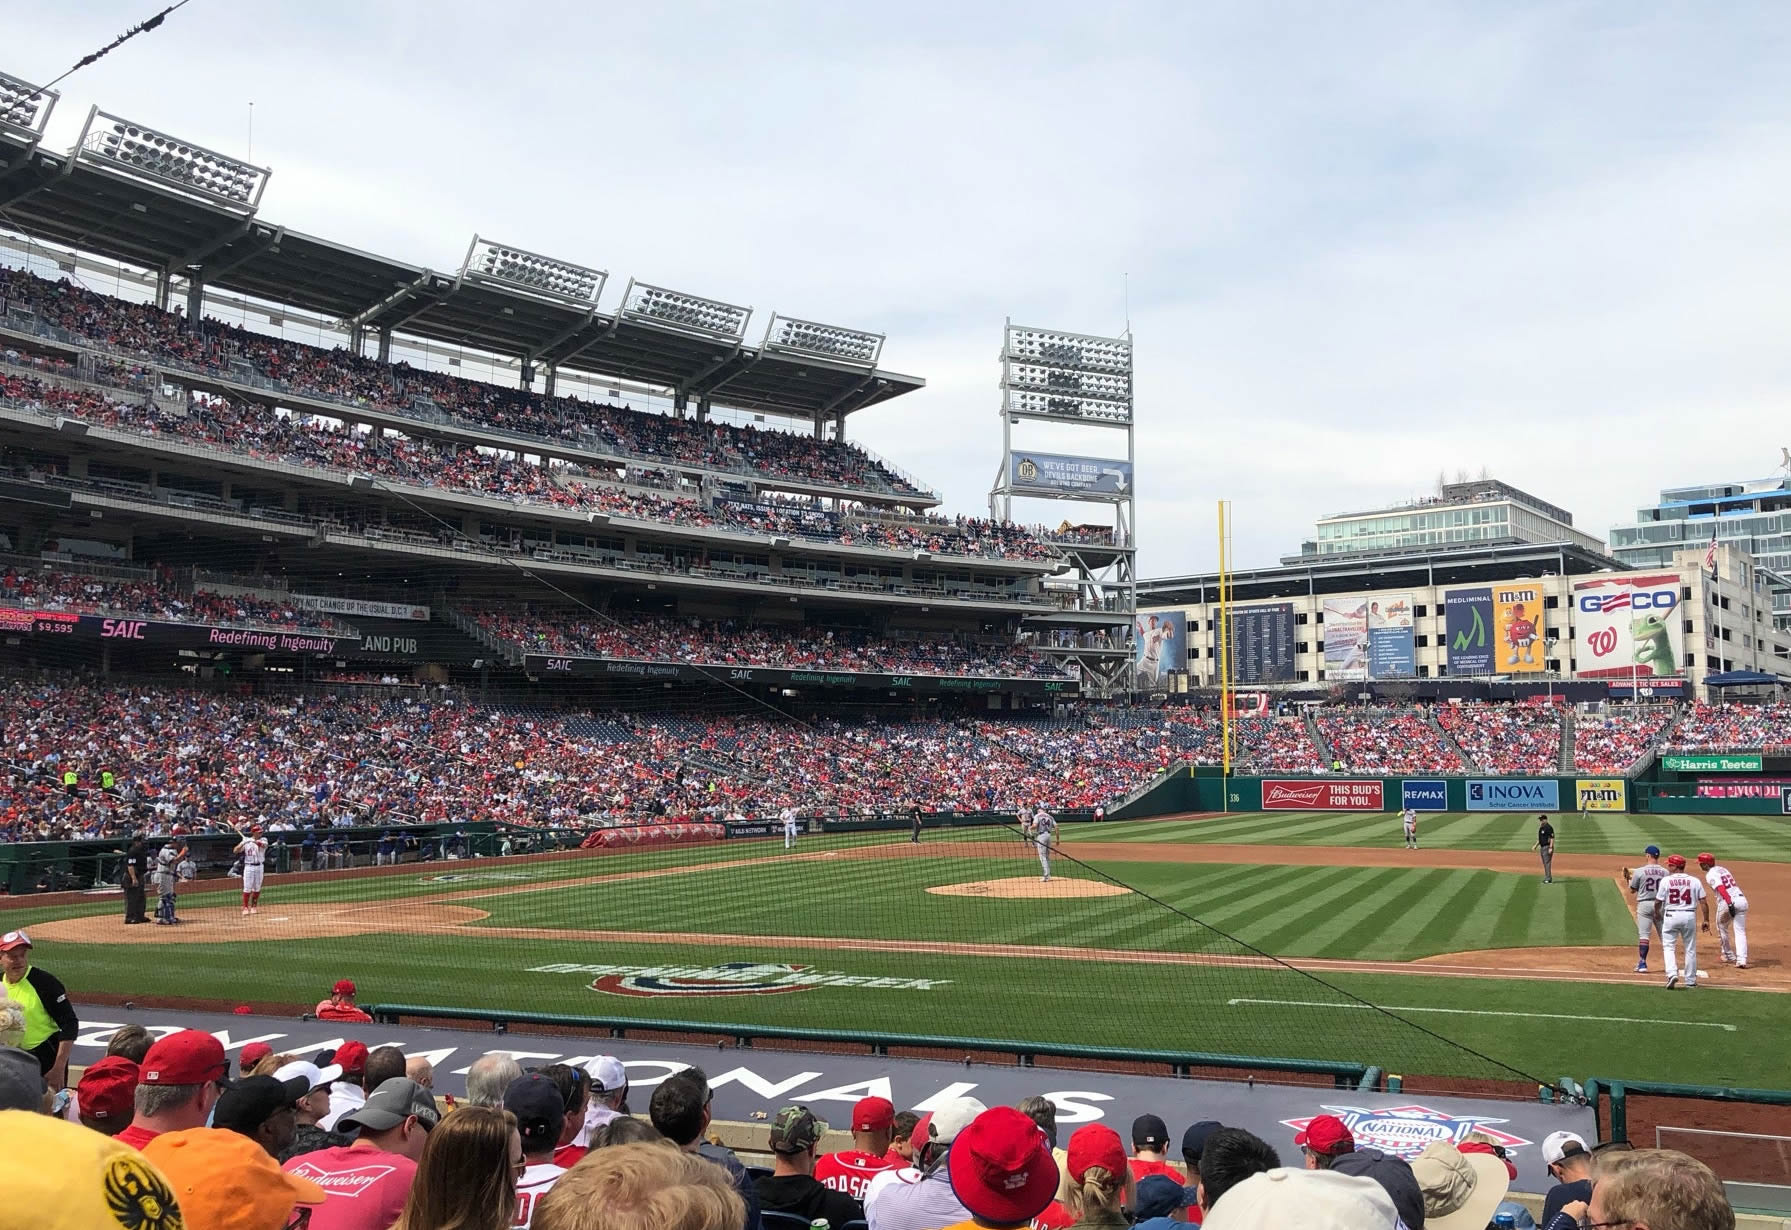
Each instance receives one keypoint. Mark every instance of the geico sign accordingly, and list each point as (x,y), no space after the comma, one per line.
(1639,599)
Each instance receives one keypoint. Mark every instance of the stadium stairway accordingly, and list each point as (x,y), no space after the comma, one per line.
(1564,761)
(1448,741)
(468,627)
(1318,738)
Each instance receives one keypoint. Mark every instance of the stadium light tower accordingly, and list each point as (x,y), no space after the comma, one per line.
(511,268)
(142,152)
(1082,381)
(673,309)
(808,339)
(24,109)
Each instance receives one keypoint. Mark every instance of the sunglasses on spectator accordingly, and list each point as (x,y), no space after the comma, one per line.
(300,1219)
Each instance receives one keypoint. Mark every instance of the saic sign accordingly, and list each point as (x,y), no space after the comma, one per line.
(127,629)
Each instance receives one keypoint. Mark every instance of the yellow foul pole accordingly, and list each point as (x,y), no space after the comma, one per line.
(1225,645)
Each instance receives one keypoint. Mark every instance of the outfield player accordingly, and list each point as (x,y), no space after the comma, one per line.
(788,816)
(1731,910)
(253,849)
(1680,895)
(1644,882)
(1044,828)
(1411,828)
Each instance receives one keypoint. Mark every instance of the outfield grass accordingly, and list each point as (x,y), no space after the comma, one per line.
(1732,838)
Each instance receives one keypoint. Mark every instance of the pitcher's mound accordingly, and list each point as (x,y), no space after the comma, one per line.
(1030,887)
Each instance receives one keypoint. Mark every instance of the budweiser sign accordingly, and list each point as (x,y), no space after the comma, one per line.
(1307,794)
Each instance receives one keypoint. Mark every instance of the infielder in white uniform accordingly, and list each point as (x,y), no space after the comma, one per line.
(1411,829)
(1731,910)
(1044,828)
(253,848)
(1680,895)
(1644,882)
(788,816)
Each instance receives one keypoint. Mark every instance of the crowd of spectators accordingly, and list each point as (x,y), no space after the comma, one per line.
(1731,725)
(1521,740)
(265,434)
(1611,742)
(1386,741)
(352,1137)
(338,375)
(154,594)
(732,643)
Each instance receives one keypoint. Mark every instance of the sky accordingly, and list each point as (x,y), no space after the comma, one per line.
(1357,245)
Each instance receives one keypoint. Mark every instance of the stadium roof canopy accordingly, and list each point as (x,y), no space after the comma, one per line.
(81,204)
(1353,574)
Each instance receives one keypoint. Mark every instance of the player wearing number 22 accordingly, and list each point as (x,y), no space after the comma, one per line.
(1731,910)
(1680,896)
(253,848)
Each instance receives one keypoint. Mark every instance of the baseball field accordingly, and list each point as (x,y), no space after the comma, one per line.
(1451,960)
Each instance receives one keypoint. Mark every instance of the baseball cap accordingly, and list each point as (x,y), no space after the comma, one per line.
(1558,1145)
(1309,1199)
(1675,860)
(953,1118)
(79,1179)
(1394,1174)
(14,939)
(314,1075)
(1194,1139)
(1706,859)
(344,986)
(1096,1144)
(1149,1132)
(606,1072)
(225,1181)
(108,1090)
(873,1115)
(539,1109)
(252,1101)
(795,1128)
(1326,1134)
(351,1057)
(22,1084)
(398,1099)
(1651,851)
(188,1057)
(1158,1195)
(252,1054)
(1461,1190)
(1000,1167)
(922,1135)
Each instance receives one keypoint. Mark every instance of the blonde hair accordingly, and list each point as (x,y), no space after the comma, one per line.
(1661,1187)
(647,1186)
(1098,1198)
(267,1065)
(464,1180)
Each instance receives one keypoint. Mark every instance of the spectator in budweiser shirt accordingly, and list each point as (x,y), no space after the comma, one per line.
(263,1109)
(181,1078)
(349,1090)
(1150,1141)
(107,1095)
(368,1182)
(340,1005)
(851,1170)
(467,1179)
(225,1181)
(310,1108)
(540,1113)
(489,1077)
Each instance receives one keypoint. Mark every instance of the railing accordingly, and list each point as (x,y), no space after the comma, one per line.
(1618,1092)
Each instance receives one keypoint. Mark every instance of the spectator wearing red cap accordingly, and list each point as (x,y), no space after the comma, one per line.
(1325,1139)
(340,1005)
(1002,1171)
(181,1078)
(51,1025)
(851,1170)
(252,1054)
(921,1197)
(349,1091)
(1099,1178)
(107,1094)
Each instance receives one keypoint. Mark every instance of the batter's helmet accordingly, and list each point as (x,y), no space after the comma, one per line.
(1706,859)
(1676,860)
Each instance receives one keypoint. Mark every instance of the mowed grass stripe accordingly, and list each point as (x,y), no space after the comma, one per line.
(1305,926)
(1482,895)
(1379,934)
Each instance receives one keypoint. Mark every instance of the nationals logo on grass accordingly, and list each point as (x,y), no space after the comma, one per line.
(729,978)
(1404,1130)
(1359,794)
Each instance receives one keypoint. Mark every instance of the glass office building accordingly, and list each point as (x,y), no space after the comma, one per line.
(1754,516)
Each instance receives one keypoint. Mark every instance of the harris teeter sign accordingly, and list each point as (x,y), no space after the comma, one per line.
(1713,762)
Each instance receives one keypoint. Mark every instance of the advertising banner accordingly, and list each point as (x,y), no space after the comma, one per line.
(1713,762)
(1467,623)
(1305,794)
(1390,651)
(1517,630)
(162,634)
(1159,645)
(1514,794)
(1262,643)
(622,668)
(1601,794)
(1742,788)
(359,606)
(1346,639)
(1056,472)
(1628,626)
(1427,795)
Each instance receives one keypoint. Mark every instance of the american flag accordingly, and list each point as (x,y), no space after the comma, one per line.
(1710,554)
